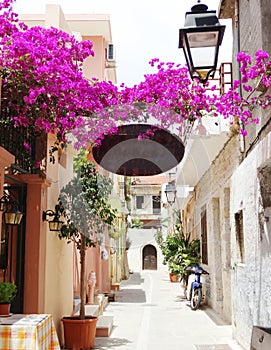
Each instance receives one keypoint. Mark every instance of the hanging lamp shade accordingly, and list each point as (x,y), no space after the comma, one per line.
(130,152)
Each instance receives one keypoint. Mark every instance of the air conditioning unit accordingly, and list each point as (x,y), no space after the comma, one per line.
(110,52)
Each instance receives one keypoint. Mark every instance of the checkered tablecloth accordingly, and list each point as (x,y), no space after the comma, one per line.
(28,332)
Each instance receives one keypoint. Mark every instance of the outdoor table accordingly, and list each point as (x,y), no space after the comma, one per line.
(28,332)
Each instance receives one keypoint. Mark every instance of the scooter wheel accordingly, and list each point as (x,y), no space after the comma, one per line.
(196,298)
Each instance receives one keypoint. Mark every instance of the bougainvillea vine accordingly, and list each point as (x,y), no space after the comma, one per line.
(44,89)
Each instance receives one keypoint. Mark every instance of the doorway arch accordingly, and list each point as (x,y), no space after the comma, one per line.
(149,257)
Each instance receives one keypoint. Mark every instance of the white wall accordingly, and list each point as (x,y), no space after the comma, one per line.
(140,238)
(251,292)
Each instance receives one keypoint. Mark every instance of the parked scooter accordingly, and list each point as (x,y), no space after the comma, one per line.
(194,287)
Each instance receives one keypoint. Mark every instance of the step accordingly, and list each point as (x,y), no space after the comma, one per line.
(111,297)
(104,326)
(115,286)
(92,310)
(105,301)
(102,301)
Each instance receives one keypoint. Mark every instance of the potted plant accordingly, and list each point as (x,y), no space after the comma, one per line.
(174,271)
(7,294)
(180,252)
(83,203)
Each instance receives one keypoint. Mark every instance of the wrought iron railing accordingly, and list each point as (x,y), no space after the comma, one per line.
(29,150)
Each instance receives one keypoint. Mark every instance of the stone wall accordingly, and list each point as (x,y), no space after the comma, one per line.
(250,193)
(254,34)
(213,193)
(250,186)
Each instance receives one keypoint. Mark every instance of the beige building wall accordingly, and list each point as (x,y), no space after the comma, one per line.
(59,255)
(56,258)
(94,66)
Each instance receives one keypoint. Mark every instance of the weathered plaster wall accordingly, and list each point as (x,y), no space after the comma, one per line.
(252,278)
(213,193)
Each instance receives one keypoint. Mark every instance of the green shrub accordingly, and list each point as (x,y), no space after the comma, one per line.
(7,292)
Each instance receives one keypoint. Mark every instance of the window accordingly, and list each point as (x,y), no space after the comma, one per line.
(239,230)
(139,202)
(204,236)
(156,204)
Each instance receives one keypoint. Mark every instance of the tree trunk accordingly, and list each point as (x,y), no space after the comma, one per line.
(82,276)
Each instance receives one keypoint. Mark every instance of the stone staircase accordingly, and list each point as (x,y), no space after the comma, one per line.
(104,323)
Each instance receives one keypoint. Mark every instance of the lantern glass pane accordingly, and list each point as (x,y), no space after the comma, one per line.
(171,197)
(55,225)
(170,193)
(13,218)
(203,57)
(203,39)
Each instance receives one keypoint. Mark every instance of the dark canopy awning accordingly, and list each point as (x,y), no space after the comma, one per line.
(139,150)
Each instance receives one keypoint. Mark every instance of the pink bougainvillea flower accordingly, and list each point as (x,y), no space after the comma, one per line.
(44,90)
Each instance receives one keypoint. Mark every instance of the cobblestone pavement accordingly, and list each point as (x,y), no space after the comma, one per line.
(150,313)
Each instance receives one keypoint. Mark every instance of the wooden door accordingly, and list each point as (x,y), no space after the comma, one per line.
(149,257)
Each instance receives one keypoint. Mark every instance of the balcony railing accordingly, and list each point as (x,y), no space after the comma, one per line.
(223,82)
(29,150)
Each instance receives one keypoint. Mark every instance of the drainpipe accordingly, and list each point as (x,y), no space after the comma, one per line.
(237,41)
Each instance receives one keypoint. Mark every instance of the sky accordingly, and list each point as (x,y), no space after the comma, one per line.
(141,30)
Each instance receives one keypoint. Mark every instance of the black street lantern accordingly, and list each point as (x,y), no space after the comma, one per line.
(13,216)
(11,211)
(170,192)
(55,224)
(200,40)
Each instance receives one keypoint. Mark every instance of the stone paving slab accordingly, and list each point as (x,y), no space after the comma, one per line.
(213,347)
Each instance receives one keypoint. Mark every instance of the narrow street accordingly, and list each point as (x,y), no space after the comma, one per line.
(151,313)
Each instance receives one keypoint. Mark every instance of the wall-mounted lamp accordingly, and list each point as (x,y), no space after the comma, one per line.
(11,210)
(158,227)
(200,40)
(170,192)
(55,224)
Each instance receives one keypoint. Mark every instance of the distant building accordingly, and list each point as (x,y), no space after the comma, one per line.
(146,211)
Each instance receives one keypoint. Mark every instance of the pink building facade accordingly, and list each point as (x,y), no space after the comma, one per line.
(44,268)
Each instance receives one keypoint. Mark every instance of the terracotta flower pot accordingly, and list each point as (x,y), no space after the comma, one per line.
(4,309)
(173,277)
(79,334)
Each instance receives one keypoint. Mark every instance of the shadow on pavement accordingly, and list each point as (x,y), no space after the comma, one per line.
(135,278)
(215,317)
(110,343)
(128,293)
(180,298)
(131,296)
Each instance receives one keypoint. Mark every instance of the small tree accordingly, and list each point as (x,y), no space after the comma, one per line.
(83,203)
